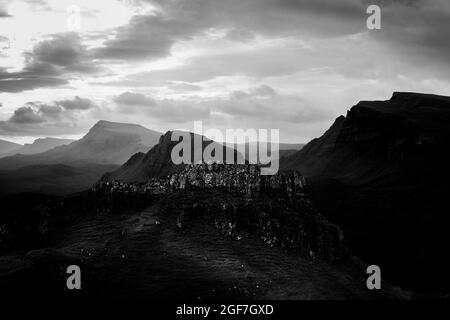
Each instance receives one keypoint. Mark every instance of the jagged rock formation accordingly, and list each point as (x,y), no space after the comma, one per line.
(236,198)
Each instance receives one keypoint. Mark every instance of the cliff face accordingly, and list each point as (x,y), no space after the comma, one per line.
(381,142)
(382,174)
(236,199)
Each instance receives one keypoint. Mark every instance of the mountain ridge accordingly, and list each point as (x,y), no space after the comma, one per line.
(381,173)
(105,143)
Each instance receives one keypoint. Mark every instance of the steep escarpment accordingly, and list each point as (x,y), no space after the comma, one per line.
(381,173)
(381,141)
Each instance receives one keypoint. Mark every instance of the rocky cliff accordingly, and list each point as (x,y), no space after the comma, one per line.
(381,173)
(236,199)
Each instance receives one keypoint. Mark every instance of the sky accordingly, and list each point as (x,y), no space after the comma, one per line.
(292,65)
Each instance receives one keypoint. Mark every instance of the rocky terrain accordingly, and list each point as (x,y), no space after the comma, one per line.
(381,173)
(206,232)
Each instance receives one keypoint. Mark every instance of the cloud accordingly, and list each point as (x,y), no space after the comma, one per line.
(174,111)
(76,104)
(152,36)
(147,37)
(261,103)
(4,13)
(26,115)
(417,31)
(256,103)
(36,118)
(50,63)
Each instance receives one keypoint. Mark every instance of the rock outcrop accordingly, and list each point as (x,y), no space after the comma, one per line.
(236,199)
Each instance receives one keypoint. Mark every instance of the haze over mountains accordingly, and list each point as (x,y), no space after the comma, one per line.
(7,147)
(76,166)
(71,166)
(105,143)
(382,173)
(38,146)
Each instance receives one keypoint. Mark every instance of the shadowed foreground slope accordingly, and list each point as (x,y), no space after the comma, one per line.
(199,235)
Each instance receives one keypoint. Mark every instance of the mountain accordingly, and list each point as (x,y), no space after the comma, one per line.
(382,174)
(157,162)
(7,147)
(284,149)
(381,140)
(40,145)
(105,143)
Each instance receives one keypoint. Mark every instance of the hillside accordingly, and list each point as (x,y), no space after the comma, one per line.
(157,162)
(381,173)
(208,232)
(55,179)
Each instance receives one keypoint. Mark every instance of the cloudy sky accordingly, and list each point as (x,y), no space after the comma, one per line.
(289,64)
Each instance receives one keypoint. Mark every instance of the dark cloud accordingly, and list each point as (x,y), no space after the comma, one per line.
(26,115)
(76,104)
(50,63)
(58,117)
(147,37)
(10,84)
(152,36)
(413,29)
(62,52)
(418,32)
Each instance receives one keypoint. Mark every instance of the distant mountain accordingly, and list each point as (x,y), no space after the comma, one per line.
(105,143)
(40,145)
(283,149)
(157,162)
(382,173)
(7,147)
